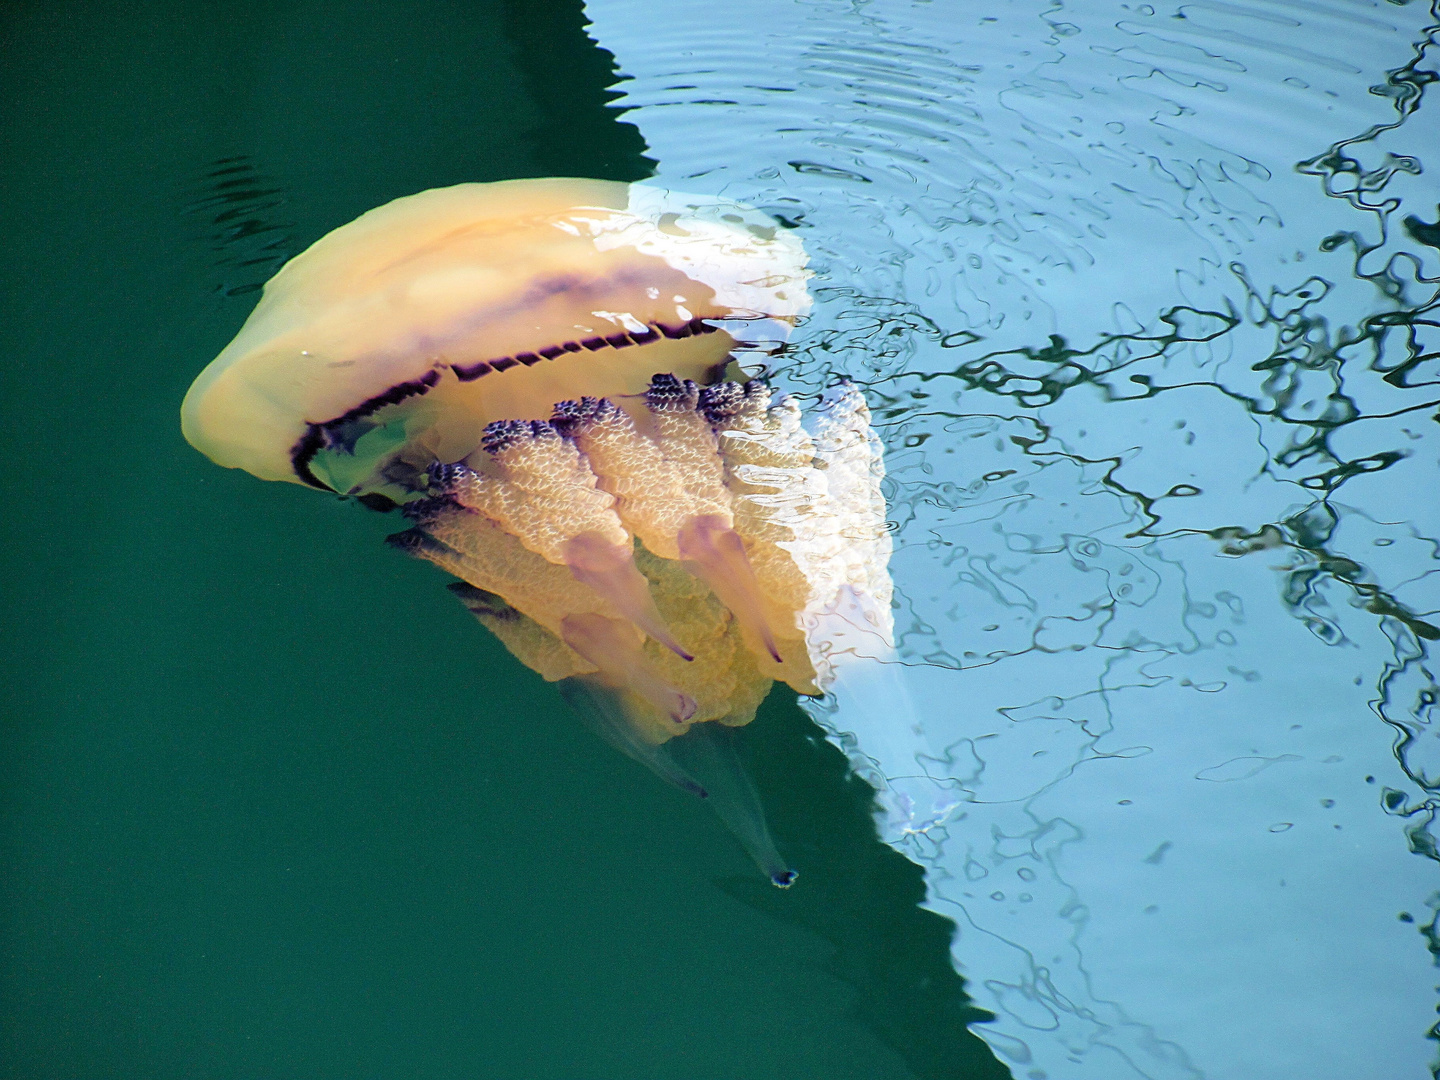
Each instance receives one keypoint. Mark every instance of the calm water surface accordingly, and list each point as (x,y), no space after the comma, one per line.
(1143,298)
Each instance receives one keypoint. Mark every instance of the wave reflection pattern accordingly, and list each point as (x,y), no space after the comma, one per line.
(1144,301)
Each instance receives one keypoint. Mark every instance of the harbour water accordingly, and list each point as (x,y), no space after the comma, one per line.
(1142,298)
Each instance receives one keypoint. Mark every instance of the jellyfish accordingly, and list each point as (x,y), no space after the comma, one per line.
(546,378)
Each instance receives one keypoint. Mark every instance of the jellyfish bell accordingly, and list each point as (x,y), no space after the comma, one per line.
(543,375)
(408,330)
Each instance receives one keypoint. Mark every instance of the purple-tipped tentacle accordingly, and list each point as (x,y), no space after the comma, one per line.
(424,511)
(716,555)
(480,602)
(443,476)
(571,416)
(719,403)
(669,394)
(417,542)
(610,570)
(502,434)
(611,646)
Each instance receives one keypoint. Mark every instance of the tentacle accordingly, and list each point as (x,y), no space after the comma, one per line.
(609,569)
(688,440)
(611,646)
(601,708)
(714,552)
(529,642)
(547,492)
(649,491)
(707,752)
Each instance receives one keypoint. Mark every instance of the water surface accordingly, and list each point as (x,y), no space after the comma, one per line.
(272,804)
(1145,297)
(1142,297)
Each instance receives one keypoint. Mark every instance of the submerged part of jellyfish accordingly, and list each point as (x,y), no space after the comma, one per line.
(713,607)
(543,374)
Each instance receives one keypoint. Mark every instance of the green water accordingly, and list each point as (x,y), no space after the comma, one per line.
(274,805)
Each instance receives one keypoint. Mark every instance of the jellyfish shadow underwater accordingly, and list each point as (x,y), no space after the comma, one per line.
(543,376)
(860,895)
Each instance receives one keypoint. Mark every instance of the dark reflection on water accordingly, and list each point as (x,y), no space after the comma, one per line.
(1144,297)
(859,895)
(575,134)
(271,804)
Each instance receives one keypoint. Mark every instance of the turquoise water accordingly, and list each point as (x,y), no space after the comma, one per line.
(1143,300)
(274,804)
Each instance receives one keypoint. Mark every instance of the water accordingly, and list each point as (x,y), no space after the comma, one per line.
(1145,297)
(274,805)
(1142,300)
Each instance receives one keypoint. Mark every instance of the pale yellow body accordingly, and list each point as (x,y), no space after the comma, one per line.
(380,360)
(463,275)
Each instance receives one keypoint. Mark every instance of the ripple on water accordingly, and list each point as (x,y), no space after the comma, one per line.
(1144,297)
